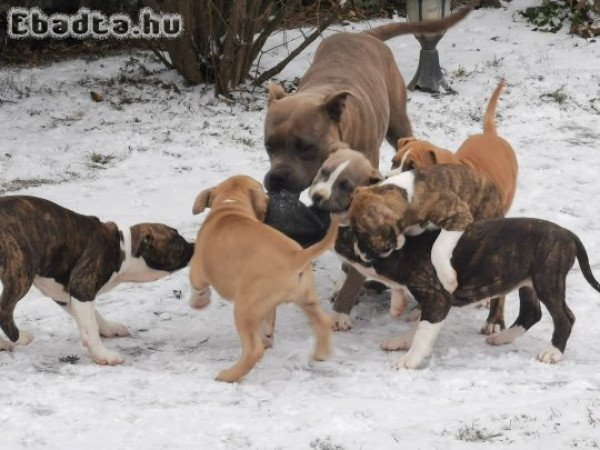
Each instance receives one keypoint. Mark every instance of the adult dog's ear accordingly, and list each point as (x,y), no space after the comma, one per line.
(202,202)
(140,244)
(276,92)
(335,104)
(375,177)
(260,203)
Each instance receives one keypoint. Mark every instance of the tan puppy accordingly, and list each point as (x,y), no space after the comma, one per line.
(487,153)
(255,266)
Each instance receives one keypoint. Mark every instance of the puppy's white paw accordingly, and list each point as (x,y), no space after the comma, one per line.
(113,329)
(25,338)
(106,357)
(200,298)
(400,342)
(6,345)
(340,321)
(408,361)
(550,355)
(505,336)
(489,328)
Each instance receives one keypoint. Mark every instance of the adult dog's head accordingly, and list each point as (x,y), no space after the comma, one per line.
(299,130)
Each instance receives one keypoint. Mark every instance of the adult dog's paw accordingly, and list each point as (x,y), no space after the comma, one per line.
(340,321)
(550,355)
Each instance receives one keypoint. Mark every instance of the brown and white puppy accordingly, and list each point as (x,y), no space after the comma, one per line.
(353,93)
(338,177)
(72,259)
(408,203)
(255,266)
(492,258)
(488,153)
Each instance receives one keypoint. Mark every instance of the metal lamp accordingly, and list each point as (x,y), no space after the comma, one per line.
(429,76)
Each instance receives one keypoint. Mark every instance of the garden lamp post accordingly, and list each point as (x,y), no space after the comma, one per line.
(429,76)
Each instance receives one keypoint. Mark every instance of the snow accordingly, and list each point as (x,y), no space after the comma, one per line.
(146,152)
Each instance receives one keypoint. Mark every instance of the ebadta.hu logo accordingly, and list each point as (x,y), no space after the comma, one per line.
(34,23)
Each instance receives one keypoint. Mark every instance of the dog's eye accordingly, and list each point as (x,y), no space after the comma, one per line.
(345,185)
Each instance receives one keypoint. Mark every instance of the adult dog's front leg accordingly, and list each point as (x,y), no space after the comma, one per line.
(345,300)
(85,315)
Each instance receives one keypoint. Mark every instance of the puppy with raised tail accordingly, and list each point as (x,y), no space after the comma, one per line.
(256,267)
(489,154)
(72,259)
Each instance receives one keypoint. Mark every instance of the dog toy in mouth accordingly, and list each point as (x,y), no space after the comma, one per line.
(287,214)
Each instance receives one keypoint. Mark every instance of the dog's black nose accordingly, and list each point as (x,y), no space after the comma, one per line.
(275,181)
(317,199)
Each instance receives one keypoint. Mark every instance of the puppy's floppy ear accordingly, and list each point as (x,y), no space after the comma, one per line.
(260,203)
(375,177)
(140,244)
(276,92)
(202,202)
(402,142)
(335,104)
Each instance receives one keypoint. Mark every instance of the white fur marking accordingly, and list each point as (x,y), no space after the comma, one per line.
(422,345)
(404,180)
(550,355)
(400,241)
(441,253)
(85,315)
(132,269)
(229,200)
(323,188)
(506,336)
(360,254)
(403,160)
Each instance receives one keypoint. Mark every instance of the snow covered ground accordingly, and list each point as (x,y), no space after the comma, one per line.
(143,155)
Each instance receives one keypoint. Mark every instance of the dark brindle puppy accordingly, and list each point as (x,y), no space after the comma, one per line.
(72,258)
(492,258)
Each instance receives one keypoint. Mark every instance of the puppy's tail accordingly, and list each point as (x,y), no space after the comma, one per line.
(305,256)
(584,263)
(489,123)
(391,30)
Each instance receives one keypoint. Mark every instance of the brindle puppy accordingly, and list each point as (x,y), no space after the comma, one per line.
(492,258)
(72,258)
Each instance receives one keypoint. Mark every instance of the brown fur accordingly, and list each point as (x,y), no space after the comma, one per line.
(492,258)
(39,238)
(450,197)
(487,153)
(255,266)
(353,92)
